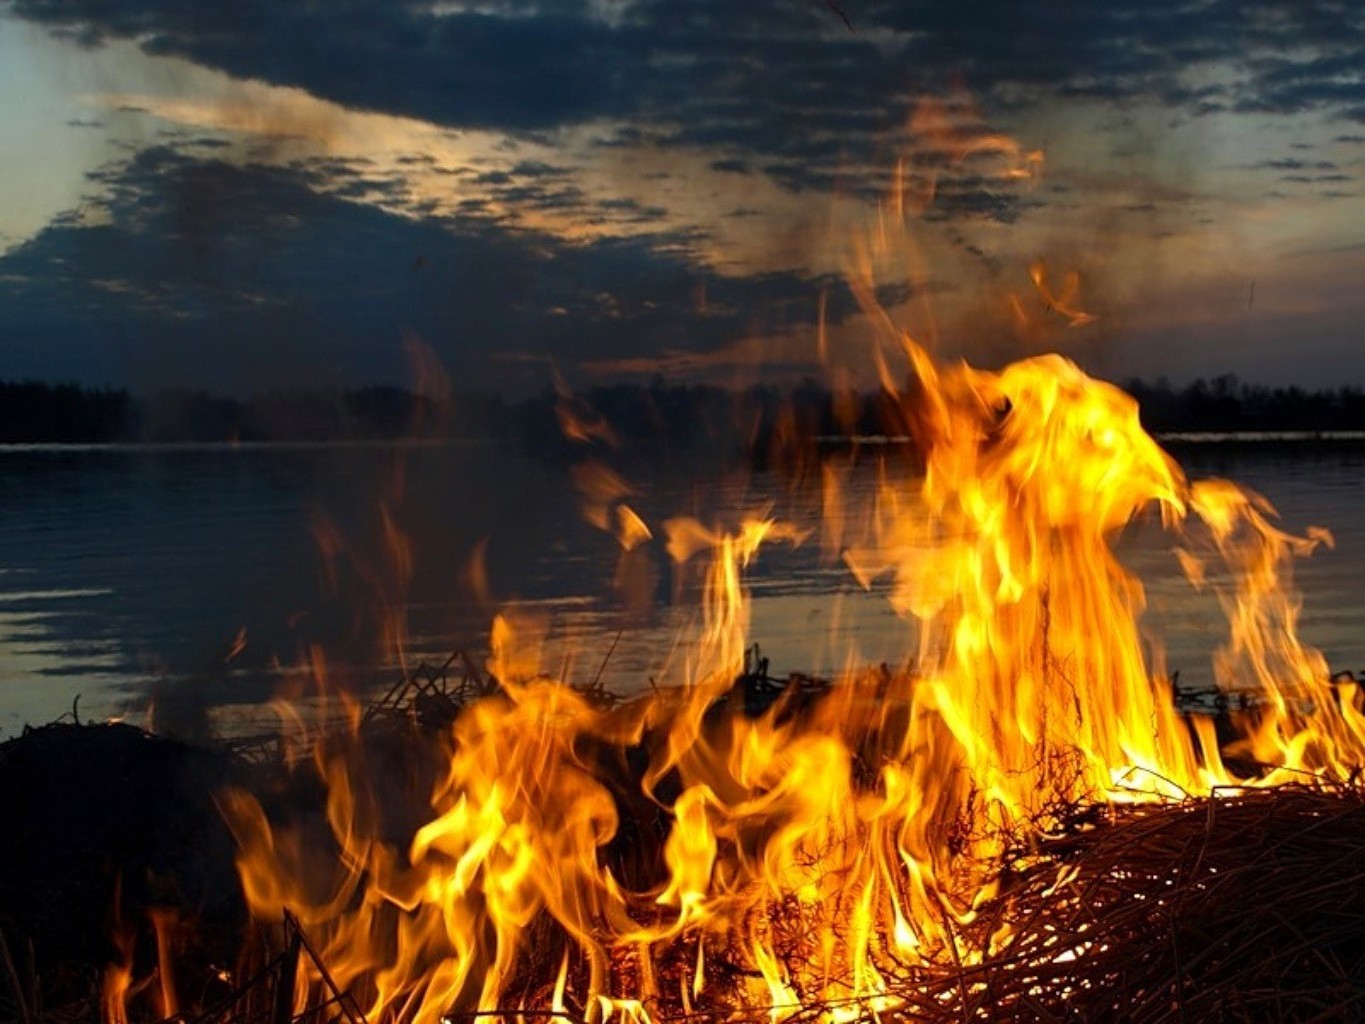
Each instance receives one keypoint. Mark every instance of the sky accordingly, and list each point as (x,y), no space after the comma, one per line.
(254,195)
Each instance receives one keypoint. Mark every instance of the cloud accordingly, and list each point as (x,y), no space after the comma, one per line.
(779,84)
(199,272)
(421,170)
(1294,164)
(561,180)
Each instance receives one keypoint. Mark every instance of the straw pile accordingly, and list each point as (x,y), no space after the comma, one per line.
(1246,907)
(1249,906)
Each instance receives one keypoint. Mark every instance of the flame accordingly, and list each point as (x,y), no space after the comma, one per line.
(120,988)
(117,978)
(166,926)
(676,855)
(956,130)
(1062,300)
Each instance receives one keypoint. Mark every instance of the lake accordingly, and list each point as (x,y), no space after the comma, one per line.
(199,578)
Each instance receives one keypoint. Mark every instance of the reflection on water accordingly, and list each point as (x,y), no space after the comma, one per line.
(1308,486)
(127,574)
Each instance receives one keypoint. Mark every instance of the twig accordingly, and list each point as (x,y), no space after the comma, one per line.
(353,1012)
(606,658)
(12,976)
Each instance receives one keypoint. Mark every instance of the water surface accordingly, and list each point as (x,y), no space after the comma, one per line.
(200,577)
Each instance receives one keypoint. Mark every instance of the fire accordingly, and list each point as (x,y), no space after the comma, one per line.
(673,853)
(1029,474)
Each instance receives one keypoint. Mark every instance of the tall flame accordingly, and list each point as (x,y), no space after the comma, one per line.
(675,852)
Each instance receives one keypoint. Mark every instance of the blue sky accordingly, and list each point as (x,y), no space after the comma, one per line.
(255,195)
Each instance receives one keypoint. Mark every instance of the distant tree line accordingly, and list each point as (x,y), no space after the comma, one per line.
(34,412)
(657,415)
(1226,404)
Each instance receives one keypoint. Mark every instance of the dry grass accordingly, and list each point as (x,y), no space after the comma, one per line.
(1246,907)
(1249,906)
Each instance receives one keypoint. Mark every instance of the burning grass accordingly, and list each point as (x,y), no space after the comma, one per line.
(1244,905)
(1020,825)
(1248,905)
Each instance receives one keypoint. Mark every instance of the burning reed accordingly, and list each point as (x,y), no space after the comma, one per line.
(672,855)
(1243,906)
(1020,826)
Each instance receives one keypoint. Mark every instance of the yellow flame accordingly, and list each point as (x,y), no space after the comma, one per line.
(572,855)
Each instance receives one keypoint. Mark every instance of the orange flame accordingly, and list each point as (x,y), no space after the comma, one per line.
(675,852)
(1063,300)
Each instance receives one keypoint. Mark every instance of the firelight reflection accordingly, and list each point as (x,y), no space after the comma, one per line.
(129,574)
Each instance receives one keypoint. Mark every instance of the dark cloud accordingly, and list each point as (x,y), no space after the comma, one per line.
(538,169)
(1290,85)
(203,273)
(777,83)
(1292,164)
(627,211)
(191,269)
